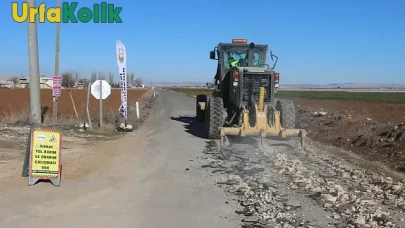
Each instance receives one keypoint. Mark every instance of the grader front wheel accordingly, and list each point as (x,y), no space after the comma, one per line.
(214,118)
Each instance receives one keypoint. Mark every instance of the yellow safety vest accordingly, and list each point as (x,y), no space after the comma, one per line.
(234,63)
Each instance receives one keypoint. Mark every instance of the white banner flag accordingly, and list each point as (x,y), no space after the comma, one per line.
(122,68)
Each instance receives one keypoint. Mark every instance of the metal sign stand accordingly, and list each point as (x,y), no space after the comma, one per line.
(96,90)
(55,109)
(87,106)
(57,51)
(32,180)
(101,103)
(56,93)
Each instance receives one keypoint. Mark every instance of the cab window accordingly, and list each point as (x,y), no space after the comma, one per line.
(241,57)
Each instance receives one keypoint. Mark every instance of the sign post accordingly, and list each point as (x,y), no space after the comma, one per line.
(45,156)
(101,103)
(56,93)
(100,89)
(87,105)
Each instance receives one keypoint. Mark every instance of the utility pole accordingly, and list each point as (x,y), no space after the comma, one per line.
(35,89)
(57,50)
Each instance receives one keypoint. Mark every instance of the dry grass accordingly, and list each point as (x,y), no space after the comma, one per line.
(14,117)
(111,117)
(17,101)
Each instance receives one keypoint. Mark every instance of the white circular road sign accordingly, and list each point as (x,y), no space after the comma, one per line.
(105,89)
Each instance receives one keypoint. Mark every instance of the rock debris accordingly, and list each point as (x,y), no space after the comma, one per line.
(279,187)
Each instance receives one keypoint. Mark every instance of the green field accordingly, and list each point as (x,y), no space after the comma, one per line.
(192,91)
(380,97)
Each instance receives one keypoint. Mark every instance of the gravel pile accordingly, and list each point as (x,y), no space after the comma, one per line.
(284,187)
(392,133)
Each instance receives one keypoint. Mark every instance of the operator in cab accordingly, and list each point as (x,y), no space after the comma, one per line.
(233,62)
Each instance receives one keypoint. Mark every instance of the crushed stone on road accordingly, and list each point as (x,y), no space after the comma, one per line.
(278,186)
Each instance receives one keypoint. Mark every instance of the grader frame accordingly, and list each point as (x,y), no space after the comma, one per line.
(243,101)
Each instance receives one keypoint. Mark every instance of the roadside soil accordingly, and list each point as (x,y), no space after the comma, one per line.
(373,130)
(16,106)
(83,151)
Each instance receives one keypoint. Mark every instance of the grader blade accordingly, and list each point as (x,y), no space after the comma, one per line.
(263,127)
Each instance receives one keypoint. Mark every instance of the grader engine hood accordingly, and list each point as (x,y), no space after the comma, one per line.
(256,70)
(240,72)
(248,80)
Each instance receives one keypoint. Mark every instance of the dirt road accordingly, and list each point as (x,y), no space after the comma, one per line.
(152,179)
(161,176)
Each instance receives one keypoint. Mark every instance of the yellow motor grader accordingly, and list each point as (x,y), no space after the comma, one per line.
(243,102)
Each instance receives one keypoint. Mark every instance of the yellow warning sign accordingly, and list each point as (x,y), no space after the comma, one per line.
(45,153)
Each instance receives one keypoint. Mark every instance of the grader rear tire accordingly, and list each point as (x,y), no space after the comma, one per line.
(214,118)
(287,113)
(200,114)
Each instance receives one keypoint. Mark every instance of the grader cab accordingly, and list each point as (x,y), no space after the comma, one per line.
(243,102)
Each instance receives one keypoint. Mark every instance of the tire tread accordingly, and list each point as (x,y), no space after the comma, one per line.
(215,117)
(287,113)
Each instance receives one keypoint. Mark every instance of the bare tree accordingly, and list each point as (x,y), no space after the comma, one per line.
(69,79)
(85,82)
(111,78)
(77,75)
(15,81)
(138,82)
(131,78)
(101,76)
(93,76)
